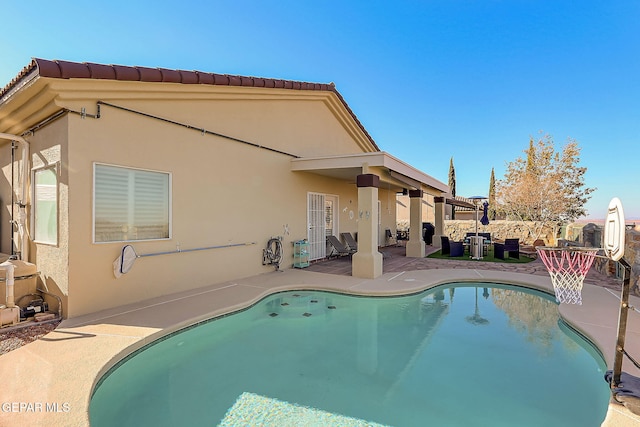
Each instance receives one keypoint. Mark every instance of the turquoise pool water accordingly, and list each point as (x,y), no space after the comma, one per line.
(457,355)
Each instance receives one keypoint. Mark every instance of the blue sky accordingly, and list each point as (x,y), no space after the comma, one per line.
(430,80)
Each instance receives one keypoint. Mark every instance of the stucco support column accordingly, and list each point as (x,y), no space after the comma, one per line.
(439,203)
(415,245)
(367,262)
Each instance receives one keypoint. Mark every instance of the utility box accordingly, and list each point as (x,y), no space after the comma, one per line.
(24,275)
(9,316)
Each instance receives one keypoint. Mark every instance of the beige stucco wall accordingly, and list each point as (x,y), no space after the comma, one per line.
(5,197)
(48,147)
(403,211)
(223,192)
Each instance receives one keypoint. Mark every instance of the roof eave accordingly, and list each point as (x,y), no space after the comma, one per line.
(66,70)
(18,84)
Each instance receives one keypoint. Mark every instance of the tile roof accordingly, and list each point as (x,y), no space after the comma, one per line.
(86,70)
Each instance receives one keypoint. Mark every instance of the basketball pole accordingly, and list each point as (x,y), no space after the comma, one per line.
(622,324)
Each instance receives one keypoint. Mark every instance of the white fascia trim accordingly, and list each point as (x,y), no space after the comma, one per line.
(377,159)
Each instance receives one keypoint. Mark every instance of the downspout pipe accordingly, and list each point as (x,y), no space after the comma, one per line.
(23,196)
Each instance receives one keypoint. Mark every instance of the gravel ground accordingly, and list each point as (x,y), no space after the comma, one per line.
(17,337)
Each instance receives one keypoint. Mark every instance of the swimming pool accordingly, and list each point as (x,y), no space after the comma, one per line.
(455,355)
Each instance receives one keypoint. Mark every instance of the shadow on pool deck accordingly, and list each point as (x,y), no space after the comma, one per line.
(395,260)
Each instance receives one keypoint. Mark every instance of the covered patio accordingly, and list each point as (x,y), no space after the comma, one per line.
(371,172)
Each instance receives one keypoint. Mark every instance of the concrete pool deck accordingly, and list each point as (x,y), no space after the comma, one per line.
(50,381)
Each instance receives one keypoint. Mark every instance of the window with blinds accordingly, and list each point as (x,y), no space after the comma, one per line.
(130,204)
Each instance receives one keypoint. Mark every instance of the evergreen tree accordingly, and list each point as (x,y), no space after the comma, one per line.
(532,159)
(452,186)
(492,196)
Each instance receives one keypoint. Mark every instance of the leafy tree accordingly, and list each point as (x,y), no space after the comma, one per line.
(546,186)
(492,195)
(452,186)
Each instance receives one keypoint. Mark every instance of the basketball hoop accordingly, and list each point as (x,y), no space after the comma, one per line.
(567,267)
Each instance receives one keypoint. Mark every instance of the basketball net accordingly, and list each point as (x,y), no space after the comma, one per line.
(567,268)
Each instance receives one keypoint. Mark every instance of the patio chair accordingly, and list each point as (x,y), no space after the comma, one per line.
(389,238)
(337,248)
(456,249)
(446,248)
(351,242)
(511,246)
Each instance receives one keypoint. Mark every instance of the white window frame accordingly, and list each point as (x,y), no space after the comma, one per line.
(134,169)
(55,167)
(336,212)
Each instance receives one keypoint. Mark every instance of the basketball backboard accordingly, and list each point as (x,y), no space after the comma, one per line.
(614,230)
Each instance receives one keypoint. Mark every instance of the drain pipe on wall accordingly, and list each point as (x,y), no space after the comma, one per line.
(22,200)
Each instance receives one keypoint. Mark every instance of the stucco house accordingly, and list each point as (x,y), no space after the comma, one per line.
(95,157)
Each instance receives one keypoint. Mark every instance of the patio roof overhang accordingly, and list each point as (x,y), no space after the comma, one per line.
(461,203)
(394,174)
